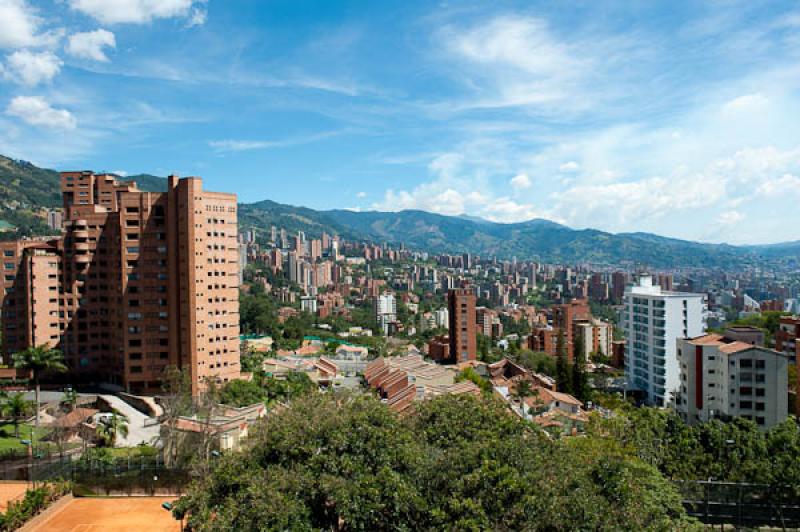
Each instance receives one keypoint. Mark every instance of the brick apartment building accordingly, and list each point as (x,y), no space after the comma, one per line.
(462,326)
(138,281)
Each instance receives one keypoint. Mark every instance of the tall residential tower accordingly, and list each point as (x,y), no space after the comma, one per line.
(654,319)
(138,281)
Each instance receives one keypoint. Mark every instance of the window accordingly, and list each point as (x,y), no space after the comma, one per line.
(761,364)
(745,405)
(746,363)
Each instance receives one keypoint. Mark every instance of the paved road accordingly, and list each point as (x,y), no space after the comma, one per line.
(137,431)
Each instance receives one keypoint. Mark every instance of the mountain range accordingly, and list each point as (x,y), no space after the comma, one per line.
(25,189)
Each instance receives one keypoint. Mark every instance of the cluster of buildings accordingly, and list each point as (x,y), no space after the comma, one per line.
(137,281)
(672,361)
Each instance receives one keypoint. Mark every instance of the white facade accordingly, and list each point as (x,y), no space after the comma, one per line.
(385,307)
(308,304)
(653,320)
(725,379)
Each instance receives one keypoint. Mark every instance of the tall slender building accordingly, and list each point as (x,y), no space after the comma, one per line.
(654,319)
(139,281)
(462,330)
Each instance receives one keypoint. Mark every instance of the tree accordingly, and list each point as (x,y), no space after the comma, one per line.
(563,380)
(536,361)
(457,462)
(16,407)
(176,401)
(71,399)
(522,390)
(580,381)
(109,428)
(469,374)
(39,360)
(241,393)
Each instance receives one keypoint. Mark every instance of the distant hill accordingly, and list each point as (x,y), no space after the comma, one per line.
(536,239)
(149,183)
(25,189)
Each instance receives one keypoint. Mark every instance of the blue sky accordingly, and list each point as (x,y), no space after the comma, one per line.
(679,118)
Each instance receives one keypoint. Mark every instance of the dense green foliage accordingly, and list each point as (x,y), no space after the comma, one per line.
(265,389)
(19,512)
(344,462)
(469,374)
(536,361)
(768,321)
(735,451)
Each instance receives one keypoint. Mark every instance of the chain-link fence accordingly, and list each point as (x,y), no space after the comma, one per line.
(140,475)
(741,505)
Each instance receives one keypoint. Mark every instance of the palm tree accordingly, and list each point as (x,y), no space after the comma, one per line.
(71,399)
(16,406)
(39,360)
(112,426)
(522,390)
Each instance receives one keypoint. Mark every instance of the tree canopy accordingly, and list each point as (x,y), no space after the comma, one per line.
(346,462)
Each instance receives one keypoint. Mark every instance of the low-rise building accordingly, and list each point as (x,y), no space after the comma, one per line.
(404,379)
(723,378)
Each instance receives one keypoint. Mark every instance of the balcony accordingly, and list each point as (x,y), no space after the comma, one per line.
(81,246)
(83,259)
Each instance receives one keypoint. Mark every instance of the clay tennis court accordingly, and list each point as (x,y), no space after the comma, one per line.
(11,491)
(113,515)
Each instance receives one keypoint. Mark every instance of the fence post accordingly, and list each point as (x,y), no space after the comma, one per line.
(739,523)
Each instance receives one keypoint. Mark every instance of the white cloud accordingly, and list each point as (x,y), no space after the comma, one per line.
(519,62)
(248,145)
(197,17)
(135,11)
(569,166)
(19,25)
(121,173)
(31,68)
(520,181)
(90,44)
(784,185)
(730,218)
(361,195)
(35,111)
(746,104)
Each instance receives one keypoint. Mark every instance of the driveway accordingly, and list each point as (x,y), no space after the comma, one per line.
(141,428)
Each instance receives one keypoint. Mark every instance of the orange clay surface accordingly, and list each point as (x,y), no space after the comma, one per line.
(11,491)
(143,514)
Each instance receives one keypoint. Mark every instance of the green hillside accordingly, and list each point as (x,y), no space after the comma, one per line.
(26,189)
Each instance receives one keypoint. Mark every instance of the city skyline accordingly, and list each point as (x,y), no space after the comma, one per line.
(674,119)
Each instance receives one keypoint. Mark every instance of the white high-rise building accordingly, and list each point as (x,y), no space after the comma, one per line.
(385,307)
(653,320)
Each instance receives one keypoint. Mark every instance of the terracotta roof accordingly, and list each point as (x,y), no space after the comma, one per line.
(734,347)
(707,339)
(74,418)
(546,396)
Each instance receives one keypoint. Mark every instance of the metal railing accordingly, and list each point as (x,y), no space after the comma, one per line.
(739,504)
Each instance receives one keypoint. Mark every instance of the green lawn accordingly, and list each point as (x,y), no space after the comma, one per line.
(8,441)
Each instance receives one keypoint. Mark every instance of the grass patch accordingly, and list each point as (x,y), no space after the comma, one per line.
(9,441)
